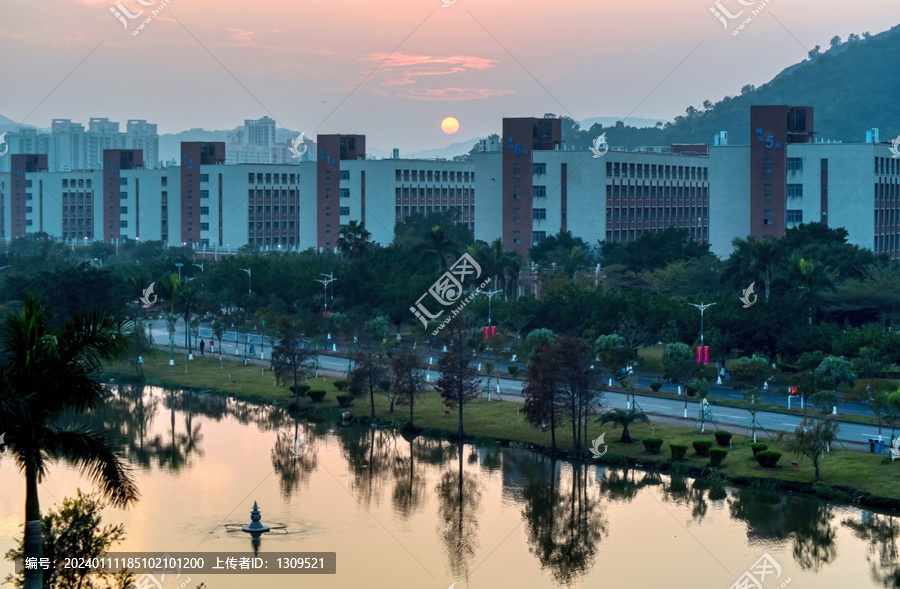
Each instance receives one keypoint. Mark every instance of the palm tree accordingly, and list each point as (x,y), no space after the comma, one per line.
(354,240)
(812,280)
(756,259)
(439,244)
(45,372)
(624,418)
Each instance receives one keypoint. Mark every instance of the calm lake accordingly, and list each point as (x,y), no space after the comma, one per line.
(427,513)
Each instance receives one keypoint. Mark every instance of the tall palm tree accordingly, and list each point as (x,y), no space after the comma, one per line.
(439,244)
(625,418)
(354,240)
(755,259)
(812,280)
(45,372)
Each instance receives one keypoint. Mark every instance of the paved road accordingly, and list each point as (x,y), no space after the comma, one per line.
(731,418)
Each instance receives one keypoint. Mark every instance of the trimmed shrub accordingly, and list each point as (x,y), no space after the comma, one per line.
(341,385)
(723,438)
(655,386)
(758,447)
(316,396)
(701,447)
(300,389)
(344,399)
(678,451)
(768,458)
(512,369)
(652,445)
(691,390)
(717,455)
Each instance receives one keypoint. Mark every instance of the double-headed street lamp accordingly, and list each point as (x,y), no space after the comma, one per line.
(702,307)
(179,265)
(329,278)
(490,296)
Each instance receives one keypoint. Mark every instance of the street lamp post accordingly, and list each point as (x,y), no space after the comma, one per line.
(490,296)
(329,278)
(703,307)
(249,272)
(179,265)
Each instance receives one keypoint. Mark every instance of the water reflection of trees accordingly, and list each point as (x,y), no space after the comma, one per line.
(459,497)
(880,532)
(564,520)
(803,521)
(295,456)
(409,482)
(370,454)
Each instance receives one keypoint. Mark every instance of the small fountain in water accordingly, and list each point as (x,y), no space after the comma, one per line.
(255,528)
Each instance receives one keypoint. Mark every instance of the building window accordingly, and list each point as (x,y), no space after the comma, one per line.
(204,194)
(123,181)
(204,177)
(345,193)
(538,214)
(538,236)
(767,170)
(204,226)
(767,196)
(767,160)
(204,210)
(123,224)
(344,175)
(794,216)
(122,210)
(538,169)
(767,221)
(795,190)
(794,164)
(345,211)
(767,212)
(767,186)
(123,195)
(538,191)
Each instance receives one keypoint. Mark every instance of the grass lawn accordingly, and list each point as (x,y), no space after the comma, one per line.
(503,421)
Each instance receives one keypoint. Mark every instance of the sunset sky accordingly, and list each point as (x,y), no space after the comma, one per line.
(210,64)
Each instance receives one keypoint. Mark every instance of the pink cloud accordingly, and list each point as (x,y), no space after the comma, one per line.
(396,70)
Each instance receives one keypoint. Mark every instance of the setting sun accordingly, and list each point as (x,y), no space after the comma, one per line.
(450,125)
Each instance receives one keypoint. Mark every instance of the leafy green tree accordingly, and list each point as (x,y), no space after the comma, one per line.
(873,393)
(811,439)
(459,380)
(678,362)
(754,260)
(74,532)
(542,391)
(806,384)
(653,250)
(836,370)
(624,418)
(581,392)
(812,281)
(408,379)
(292,359)
(369,369)
(44,373)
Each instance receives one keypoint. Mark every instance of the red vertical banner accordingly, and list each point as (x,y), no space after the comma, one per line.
(699,355)
(706,354)
(493,331)
(486,332)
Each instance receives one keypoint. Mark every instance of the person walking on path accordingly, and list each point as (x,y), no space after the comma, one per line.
(202,346)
